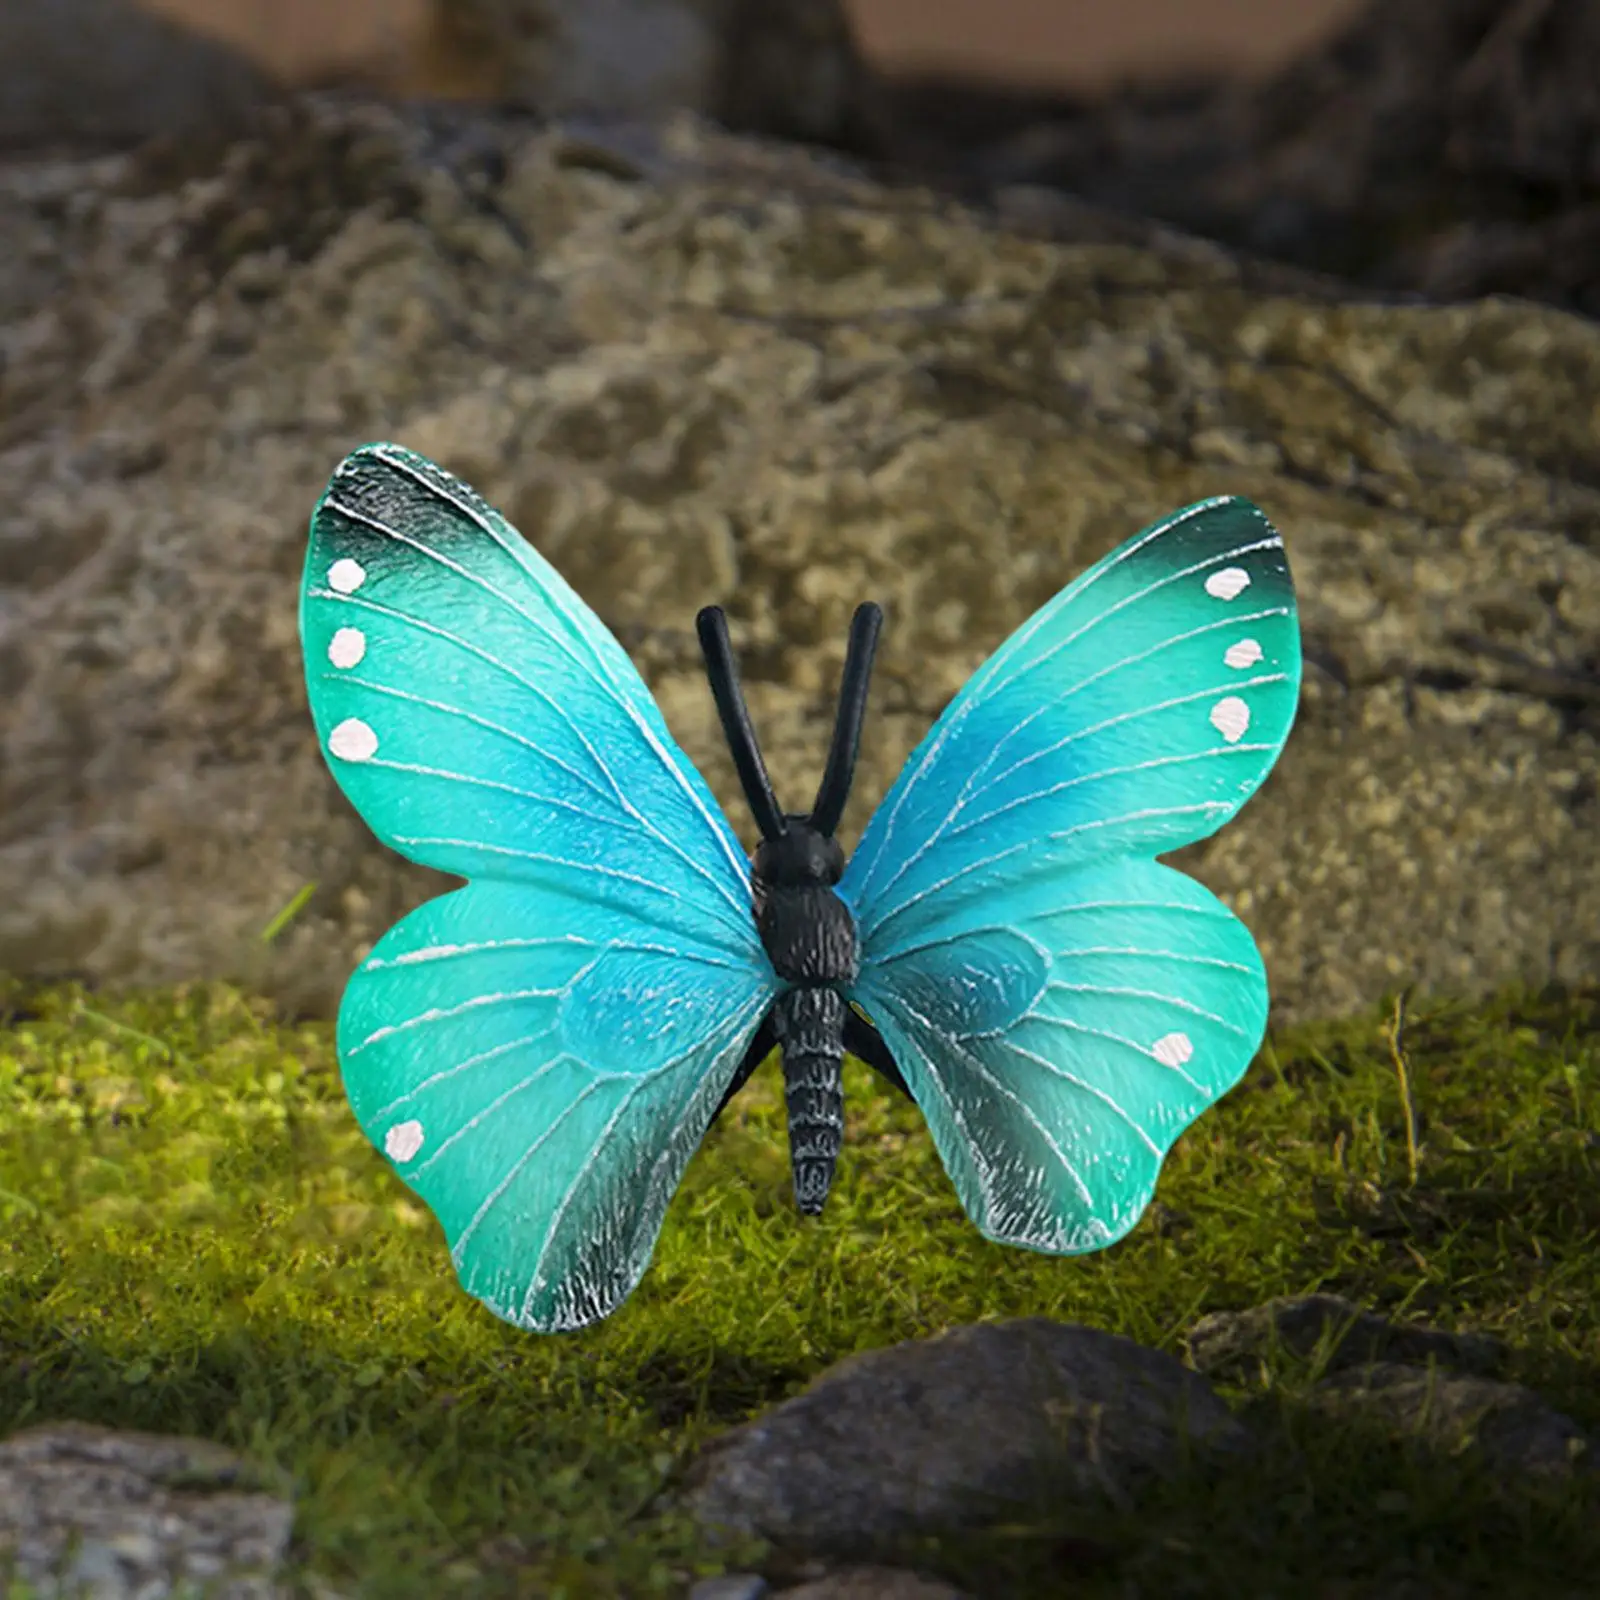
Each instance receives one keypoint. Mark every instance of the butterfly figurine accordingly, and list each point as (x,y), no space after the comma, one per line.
(539,1052)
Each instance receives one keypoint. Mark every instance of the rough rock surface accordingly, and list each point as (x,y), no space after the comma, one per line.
(698,369)
(1518,1434)
(133,1516)
(941,1433)
(1227,1343)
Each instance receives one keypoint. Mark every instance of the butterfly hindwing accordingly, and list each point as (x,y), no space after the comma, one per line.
(539,1069)
(1060,1039)
(560,1031)
(1061,1005)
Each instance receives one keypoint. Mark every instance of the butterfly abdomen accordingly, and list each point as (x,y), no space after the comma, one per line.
(810,938)
(810,1028)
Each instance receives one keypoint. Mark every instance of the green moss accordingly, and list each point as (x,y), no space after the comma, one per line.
(194,1236)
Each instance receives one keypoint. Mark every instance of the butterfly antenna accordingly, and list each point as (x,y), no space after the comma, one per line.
(841,768)
(712,627)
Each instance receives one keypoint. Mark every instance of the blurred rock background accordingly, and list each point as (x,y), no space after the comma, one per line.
(1445,147)
(940,342)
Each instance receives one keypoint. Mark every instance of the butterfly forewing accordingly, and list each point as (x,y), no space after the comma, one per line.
(482,719)
(1061,1005)
(539,1053)
(1134,713)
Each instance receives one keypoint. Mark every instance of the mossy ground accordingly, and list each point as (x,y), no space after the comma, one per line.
(197,1238)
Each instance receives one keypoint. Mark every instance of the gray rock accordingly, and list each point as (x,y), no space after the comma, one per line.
(731,1586)
(1516,1432)
(136,1516)
(872,1583)
(111,72)
(1229,1342)
(746,376)
(956,1431)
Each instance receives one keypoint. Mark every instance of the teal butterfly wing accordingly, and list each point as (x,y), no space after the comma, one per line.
(539,1053)
(539,1069)
(1060,1003)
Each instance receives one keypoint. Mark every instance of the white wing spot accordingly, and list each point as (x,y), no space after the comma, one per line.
(1231,717)
(353,740)
(403,1141)
(1172,1049)
(349,645)
(1228,584)
(1244,654)
(347,576)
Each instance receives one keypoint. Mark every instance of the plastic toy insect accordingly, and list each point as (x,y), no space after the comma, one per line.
(540,1052)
